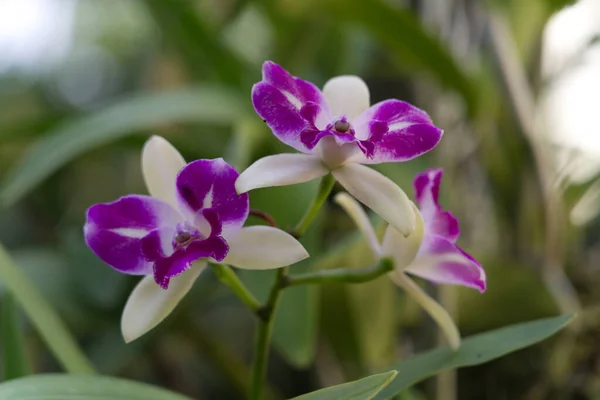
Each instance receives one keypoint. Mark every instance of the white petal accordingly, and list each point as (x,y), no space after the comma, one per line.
(263,247)
(346,95)
(160,164)
(149,304)
(280,170)
(403,249)
(433,308)
(358,215)
(380,194)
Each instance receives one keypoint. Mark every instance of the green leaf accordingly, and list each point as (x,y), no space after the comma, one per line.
(410,42)
(14,364)
(208,104)
(363,389)
(44,318)
(197,42)
(80,387)
(474,350)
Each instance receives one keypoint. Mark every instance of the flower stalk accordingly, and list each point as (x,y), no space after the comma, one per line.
(231,280)
(263,336)
(341,275)
(325,187)
(267,312)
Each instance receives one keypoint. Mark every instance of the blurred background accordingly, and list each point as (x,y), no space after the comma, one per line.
(514,84)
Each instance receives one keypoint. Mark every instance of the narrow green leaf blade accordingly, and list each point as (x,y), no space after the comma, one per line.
(14,364)
(63,387)
(208,104)
(474,350)
(44,318)
(362,389)
(198,43)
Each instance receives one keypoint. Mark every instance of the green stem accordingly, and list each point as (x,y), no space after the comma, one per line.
(267,312)
(346,275)
(263,336)
(325,187)
(231,280)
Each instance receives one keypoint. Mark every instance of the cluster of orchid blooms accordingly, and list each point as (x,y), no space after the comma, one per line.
(195,212)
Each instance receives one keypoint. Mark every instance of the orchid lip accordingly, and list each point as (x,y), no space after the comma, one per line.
(187,245)
(185,234)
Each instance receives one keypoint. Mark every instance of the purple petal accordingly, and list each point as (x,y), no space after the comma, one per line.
(465,272)
(409,132)
(427,186)
(164,269)
(287,104)
(437,221)
(158,244)
(210,184)
(277,76)
(114,231)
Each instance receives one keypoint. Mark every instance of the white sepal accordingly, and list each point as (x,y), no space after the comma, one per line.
(379,193)
(263,247)
(360,218)
(346,95)
(161,163)
(403,249)
(433,308)
(149,304)
(280,170)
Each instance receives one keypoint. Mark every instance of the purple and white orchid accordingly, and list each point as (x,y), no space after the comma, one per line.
(193,216)
(337,131)
(430,252)
(439,232)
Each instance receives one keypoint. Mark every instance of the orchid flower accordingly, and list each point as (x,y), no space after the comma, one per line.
(193,216)
(430,252)
(337,131)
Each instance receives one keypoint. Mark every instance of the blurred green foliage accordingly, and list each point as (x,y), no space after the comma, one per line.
(184,70)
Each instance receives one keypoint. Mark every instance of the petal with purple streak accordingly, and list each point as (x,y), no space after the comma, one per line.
(301,90)
(114,231)
(464,270)
(285,102)
(427,187)
(437,221)
(210,184)
(409,134)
